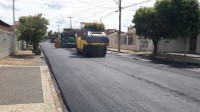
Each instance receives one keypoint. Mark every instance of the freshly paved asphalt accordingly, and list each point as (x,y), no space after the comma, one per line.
(124,83)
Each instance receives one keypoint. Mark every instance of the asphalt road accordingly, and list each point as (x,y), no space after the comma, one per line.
(124,83)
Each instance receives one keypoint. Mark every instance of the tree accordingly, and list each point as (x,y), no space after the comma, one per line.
(186,18)
(50,33)
(148,25)
(170,19)
(33,28)
(166,18)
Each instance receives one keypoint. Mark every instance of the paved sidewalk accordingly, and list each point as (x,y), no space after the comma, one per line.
(177,57)
(26,85)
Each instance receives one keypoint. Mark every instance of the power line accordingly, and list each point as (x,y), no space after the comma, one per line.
(106,15)
(83,12)
(64,5)
(116,2)
(80,14)
(94,4)
(136,4)
(122,9)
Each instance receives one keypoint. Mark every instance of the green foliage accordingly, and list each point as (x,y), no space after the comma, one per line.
(186,17)
(181,16)
(148,25)
(33,28)
(50,33)
(168,19)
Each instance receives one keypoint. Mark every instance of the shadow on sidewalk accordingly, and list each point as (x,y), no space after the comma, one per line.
(24,54)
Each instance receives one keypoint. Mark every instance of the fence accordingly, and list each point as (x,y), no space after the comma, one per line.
(6,43)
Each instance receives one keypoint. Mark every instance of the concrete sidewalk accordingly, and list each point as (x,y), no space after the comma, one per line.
(26,85)
(176,57)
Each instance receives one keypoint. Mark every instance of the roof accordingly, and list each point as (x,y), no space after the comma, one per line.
(92,23)
(2,23)
(110,31)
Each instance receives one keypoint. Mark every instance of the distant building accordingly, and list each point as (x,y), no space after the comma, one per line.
(109,31)
(6,39)
(129,40)
(4,26)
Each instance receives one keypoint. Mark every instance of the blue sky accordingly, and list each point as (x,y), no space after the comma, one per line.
(58,11)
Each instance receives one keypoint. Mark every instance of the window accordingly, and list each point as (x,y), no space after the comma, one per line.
(130,40)
(145,44)
(126,40)
(123,40)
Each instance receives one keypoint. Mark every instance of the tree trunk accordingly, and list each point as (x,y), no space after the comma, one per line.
(155,44)
(35,46)
(36,49)
(185,46)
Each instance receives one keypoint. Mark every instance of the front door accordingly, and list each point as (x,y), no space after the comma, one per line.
(193,44)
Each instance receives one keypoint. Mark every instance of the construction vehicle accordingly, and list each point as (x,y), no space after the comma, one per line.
(67,39)
(92,41)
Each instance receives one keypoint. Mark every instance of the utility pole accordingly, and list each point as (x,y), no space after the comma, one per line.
(58,28)
(119,33)
(58,31)
(14,37)
(70,21)
(13,14)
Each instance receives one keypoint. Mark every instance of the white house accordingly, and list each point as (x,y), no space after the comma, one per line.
(129,40)
(178,45)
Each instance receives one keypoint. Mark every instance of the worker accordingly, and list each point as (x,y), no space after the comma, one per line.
(57,43)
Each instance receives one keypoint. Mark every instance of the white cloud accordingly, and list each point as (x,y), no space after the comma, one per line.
(54,5)
(6,5)
(2,14)
(9,5)
(18,6)
(57,11)
(61,21)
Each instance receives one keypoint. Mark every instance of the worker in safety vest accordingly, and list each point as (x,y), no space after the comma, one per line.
(57,43)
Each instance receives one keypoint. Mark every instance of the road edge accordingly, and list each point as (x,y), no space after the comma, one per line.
(62,100)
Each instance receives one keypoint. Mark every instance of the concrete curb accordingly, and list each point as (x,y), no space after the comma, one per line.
(55,93)
(61,97)
(160,57)
(176,60)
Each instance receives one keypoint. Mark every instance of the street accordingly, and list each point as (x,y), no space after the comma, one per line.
(123,83)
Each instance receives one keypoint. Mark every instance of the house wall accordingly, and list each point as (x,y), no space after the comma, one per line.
(137,44)
(113,39)
(21,44)
(113,42)
(198,44)
(6,43)
(176,45)
(143,44)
